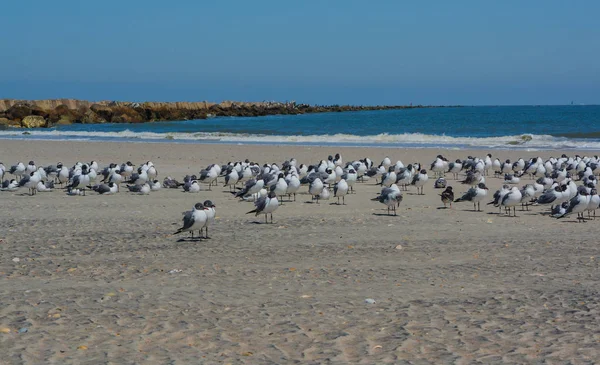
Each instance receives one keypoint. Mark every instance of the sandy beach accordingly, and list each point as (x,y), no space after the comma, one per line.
(103,280)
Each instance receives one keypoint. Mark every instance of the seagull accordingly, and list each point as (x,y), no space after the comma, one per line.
(252,186)
(340,190)
(191,187)
(209,175)
(594,202)
(419,181)
(31,167)
(475,194)
(315,188)
(126,169)
(194,219)
(325,194)
(266,205)
(155,185)
(293,185)
(210,214)
(578,204)
(280,187)
(31,182)
(389,178)
(254,197)
(455,167)
(80,181)
(447,196)
(10,185)
(553,196)
(498,195)
(140,189)
(438,166)
(139,178)
(404,176)
(2,171)
(391,197)
(17,170)
(171,183)
(511,179)
(559,210)
(528,194)
(106,189)
(512,199)
(231,179)
(42,187)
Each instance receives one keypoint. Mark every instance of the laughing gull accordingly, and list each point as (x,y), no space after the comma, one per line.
(447,196)
(512,199)
(340,190)
(2,171)
(106,189)
(511,179)
(194,220)
(594,202)
(559,210)
(487,164)
(10,185)
(170,183)
(210,214)
(528,194)
(391,197)
(17,170)
(191,187)
(293,185)
(210,175)
(389,177)
(140,189)
(475,195)
(231,179)
(126,169)
(438,166)
(252,186)
(351,176)
(80,181)
(139,178)
(578,204)
(31,182)
(155,185)
(254,197)
(266,205)
(315,188)
(42,187)
(325,194)
(455,167)
(419,181)
(405,176)
(498,196)
(280,187)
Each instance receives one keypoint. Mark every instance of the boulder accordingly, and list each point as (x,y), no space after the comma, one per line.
(33,121)
(91,117)
(18,111)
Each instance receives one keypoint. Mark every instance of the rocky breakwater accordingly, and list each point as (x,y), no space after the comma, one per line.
(48,113)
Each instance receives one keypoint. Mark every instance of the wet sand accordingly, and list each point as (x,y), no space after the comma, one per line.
(97,278)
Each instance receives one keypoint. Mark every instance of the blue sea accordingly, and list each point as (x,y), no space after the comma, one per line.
(498,127)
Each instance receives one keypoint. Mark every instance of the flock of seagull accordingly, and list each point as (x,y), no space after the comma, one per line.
(566,184)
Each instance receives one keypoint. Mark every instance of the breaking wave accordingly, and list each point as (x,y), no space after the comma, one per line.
(407,140)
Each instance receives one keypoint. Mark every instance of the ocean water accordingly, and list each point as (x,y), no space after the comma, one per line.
(497,127)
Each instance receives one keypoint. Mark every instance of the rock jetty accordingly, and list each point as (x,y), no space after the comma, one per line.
(49,113)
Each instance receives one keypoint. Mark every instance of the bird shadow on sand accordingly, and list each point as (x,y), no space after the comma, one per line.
(195,239)
(443,208)
(260,222)
(384,215)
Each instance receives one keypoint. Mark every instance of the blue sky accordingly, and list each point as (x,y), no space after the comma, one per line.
(324,52)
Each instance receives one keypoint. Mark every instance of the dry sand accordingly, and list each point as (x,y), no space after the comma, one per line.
(93,282)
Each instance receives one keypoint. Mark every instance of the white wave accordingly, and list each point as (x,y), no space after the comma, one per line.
(405,139)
